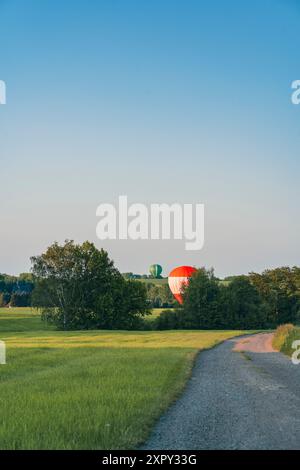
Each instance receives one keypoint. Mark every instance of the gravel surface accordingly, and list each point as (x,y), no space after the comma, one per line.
(234,400)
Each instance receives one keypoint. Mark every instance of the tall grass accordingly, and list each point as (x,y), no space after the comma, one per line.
(293,335)
(282,337)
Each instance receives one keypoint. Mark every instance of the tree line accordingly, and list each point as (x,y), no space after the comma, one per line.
(16,290)
(78,287)
(245,302)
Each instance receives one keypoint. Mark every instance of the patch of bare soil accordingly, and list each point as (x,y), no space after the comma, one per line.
(260,343)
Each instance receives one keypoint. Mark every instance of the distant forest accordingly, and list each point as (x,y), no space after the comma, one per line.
(15,291)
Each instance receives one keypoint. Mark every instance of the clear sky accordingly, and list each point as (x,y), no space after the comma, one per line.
(163,101)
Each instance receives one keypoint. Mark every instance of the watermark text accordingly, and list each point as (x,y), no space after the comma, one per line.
(2,92)
(296,354)
(296,93)
(154,222)
(2,353)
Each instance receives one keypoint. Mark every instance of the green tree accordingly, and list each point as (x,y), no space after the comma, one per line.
(159,295)
(280,288)
(78,287)
(20,299)
(166,296)
(201,301)
(154,295)
(242,306)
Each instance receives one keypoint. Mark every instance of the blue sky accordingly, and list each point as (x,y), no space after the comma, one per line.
(164,101)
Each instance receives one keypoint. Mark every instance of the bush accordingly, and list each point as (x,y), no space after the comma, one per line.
(293,335)
(167,320)
(281,336)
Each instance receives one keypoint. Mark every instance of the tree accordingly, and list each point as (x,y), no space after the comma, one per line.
(201,301)
(166,295)
(128,275)
(78,287)
(159,295)
(16,290)
(20,299)
(153,295)
(280,288)
(242,305)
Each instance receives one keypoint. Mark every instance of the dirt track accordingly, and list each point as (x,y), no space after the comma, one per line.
(237,398)
(261,343)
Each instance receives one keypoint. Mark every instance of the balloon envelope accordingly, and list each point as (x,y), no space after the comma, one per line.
(155,270)
(178,278)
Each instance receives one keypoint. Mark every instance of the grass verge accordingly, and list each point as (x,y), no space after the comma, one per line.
(282,335)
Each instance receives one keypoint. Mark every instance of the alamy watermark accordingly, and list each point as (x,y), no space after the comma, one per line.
(2,92)
(296,93)
(296,354)
(2,353)
(154,222)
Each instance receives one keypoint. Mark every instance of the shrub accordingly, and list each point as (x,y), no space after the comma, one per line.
(293,335)
(281,336)
(167,320)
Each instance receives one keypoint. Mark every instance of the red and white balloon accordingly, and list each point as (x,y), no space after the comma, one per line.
(178,278)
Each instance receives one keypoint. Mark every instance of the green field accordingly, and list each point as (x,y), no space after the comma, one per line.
(20,319)
(89,390)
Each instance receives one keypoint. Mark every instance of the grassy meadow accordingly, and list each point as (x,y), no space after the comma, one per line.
(89,389)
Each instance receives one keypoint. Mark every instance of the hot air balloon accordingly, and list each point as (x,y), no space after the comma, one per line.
(155,271)
(178,278)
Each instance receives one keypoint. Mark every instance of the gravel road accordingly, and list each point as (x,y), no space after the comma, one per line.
(235,400)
